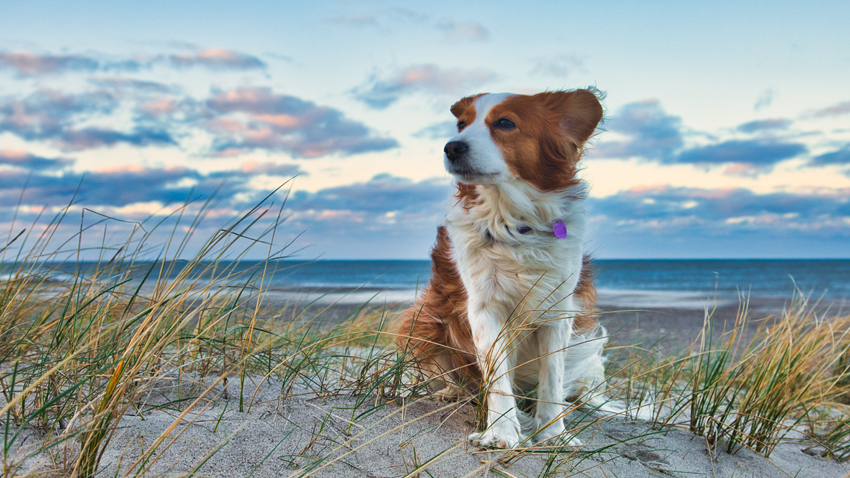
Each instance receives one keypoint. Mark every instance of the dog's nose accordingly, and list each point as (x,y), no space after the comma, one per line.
(455,149)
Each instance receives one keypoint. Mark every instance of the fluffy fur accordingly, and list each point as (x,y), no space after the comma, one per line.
(509,305)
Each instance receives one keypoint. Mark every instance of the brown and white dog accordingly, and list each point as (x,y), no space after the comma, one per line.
(507,308)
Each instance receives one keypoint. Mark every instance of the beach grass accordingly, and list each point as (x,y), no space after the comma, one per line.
(84,344)
(744,388)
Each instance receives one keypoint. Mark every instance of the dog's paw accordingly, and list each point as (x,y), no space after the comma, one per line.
(495,439)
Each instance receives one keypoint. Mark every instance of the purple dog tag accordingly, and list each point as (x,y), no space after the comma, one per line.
(560,229)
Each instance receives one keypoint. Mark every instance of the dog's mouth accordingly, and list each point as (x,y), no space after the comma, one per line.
(469,175)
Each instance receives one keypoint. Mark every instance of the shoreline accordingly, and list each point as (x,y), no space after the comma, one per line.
(607,297)
(663,321)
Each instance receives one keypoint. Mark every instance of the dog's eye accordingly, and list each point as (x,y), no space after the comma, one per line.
(460,126)
(504,123)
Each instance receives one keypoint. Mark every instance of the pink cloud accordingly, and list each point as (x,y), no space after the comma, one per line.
(839,109)
(217,59)
(30,64)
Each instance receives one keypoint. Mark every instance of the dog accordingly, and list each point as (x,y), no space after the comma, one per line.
(509,306)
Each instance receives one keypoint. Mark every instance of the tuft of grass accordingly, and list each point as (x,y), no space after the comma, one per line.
(752,391)
(81,342)
(831,426)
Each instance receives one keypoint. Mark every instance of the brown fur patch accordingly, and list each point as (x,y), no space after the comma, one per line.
(464,109)
(435,331)
(467,195)
(551,129)
(586,291)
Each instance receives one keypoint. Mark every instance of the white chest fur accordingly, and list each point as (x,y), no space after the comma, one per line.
(504,268)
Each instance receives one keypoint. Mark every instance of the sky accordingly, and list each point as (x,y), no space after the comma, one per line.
(726,130)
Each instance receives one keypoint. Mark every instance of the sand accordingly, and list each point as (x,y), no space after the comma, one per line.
(668,322)
(283,438)
(310,434)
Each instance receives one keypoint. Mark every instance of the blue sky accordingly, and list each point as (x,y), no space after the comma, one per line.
(727,130)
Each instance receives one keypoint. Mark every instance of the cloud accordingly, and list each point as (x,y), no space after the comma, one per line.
(742,157)
(132,84)
(381,93)
(30,64)
(722,211)
(670,222)
(765,99)
(272,169)
(463,31)
(89,138)
(24,160)
(111,187)
(47,114)
(559,66)
(52,115)
(764,125)
(249,118)
(140,112)
(120,186)
(651,133)
(154,106)
(386,211)
(240,119)
(27,64)
(380,195)
(840,156)
(442,130)
(216,59)
(753,152)
(396,215)
(837,110)
(387,17)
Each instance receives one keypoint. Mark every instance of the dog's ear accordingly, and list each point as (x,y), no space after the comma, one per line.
(458,108)
(571,117)
(578,111)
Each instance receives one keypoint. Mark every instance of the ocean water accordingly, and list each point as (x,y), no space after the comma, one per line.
(643,283)
(761,278)
(690,284)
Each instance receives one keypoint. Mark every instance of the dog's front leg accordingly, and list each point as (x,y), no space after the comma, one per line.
(552,339)
(492,342)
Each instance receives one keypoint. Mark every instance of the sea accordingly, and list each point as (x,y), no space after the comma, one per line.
(623,283)
(677,283)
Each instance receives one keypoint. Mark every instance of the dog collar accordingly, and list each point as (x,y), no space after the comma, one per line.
(559,229)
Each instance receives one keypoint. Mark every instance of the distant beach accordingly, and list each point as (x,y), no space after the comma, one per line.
(642,302)
(658,304)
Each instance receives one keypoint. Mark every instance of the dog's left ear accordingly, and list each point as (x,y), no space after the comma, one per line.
(578,111)
(572,116)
